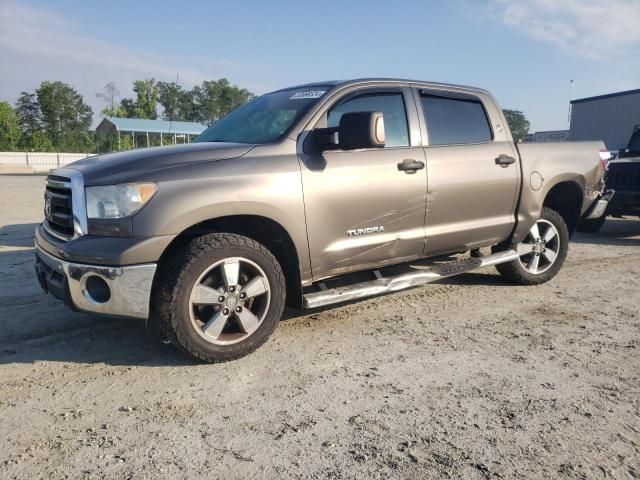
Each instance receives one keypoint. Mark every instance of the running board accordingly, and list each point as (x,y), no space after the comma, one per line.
(406,280)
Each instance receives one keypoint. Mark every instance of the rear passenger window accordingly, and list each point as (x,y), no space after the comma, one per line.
(454,121)
(392,107)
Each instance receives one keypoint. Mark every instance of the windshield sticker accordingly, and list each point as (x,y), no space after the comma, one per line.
(304,94)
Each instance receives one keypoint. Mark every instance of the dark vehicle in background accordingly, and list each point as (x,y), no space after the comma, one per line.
(623,178)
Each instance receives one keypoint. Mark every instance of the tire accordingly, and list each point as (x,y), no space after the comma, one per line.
(521,270)
(187,297)
(591,226)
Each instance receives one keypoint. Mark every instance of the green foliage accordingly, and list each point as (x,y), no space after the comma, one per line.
(40,142)
(87,142)
(170,96)
(29,118)
(9,128)
(106,143)
(147,98)
(127,109)
(187,108)
(145,104)
(203,103)
(55,117)
(518,124)
(126,142)
(154,140)
(215,98)
(109,143)
(65,117)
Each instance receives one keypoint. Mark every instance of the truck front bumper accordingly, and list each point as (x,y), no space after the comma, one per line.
(122,291)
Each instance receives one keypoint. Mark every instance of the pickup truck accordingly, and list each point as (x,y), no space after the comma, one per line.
(622,180)
(310,196)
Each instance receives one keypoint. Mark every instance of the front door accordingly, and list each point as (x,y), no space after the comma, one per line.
(362,209)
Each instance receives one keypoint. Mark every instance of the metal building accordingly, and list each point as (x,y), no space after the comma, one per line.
(145,133)
(609,118)
(547,136)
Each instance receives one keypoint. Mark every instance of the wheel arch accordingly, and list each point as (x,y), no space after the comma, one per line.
(566,198)
(262,229)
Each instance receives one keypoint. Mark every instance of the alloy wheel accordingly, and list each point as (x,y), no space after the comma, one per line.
(229,301)
(539,249)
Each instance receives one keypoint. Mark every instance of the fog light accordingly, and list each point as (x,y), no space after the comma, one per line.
(96,289)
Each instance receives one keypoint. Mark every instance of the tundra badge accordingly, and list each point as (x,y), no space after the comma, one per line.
(364,231)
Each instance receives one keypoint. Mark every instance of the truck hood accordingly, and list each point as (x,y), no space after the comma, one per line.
(131,165)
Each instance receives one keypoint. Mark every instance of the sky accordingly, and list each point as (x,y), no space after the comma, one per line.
(524,51)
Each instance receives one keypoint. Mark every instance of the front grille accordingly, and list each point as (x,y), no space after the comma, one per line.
(58,211)
(624,177)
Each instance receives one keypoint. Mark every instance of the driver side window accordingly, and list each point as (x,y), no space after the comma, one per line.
(390,104)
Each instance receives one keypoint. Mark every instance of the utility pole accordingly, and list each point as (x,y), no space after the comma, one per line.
(171,118)
(570,98)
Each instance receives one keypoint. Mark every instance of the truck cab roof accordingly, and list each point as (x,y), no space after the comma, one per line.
(366,80)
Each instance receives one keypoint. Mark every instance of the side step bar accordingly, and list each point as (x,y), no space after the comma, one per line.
(405,280)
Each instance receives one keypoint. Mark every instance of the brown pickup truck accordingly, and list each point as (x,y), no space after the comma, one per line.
(311,196)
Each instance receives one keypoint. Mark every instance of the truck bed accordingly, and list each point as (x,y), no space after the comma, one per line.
(545,165)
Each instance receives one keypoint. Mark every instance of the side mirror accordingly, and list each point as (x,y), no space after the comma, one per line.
(361,130)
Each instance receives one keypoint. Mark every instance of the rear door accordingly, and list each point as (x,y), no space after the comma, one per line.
(473,171)
(362,210)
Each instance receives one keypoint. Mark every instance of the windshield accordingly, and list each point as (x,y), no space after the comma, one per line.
(265,119)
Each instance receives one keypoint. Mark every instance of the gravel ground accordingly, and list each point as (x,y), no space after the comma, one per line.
(468,378)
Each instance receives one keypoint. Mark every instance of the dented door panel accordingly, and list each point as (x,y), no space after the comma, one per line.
(363,210)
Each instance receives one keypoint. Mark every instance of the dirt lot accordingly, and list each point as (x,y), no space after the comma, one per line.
(471,378)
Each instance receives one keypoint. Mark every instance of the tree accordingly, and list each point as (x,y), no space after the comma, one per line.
(40,142)
(231,97)
(65,117)
(109,98)
(127,108)
(170,97)
(144,106)
(216,98)
(187,108)
(203,103)
(9,128)
(518,124)
(146,98)
(29,118)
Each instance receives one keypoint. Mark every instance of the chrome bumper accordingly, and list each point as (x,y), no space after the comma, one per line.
(600,206)
(126,293)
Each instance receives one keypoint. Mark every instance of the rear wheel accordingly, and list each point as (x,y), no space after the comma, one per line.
(542,251)
(221,297)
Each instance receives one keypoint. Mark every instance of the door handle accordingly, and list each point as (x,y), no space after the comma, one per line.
(505,160)
(410,166)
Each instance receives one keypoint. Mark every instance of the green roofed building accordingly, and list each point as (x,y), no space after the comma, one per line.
(138,132)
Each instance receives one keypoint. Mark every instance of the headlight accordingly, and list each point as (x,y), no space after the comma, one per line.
(118,201)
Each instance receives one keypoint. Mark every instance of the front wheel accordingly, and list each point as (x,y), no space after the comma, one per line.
(542,251)
(220,297)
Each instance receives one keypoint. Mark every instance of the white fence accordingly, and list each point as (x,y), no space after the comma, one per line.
(39,161)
